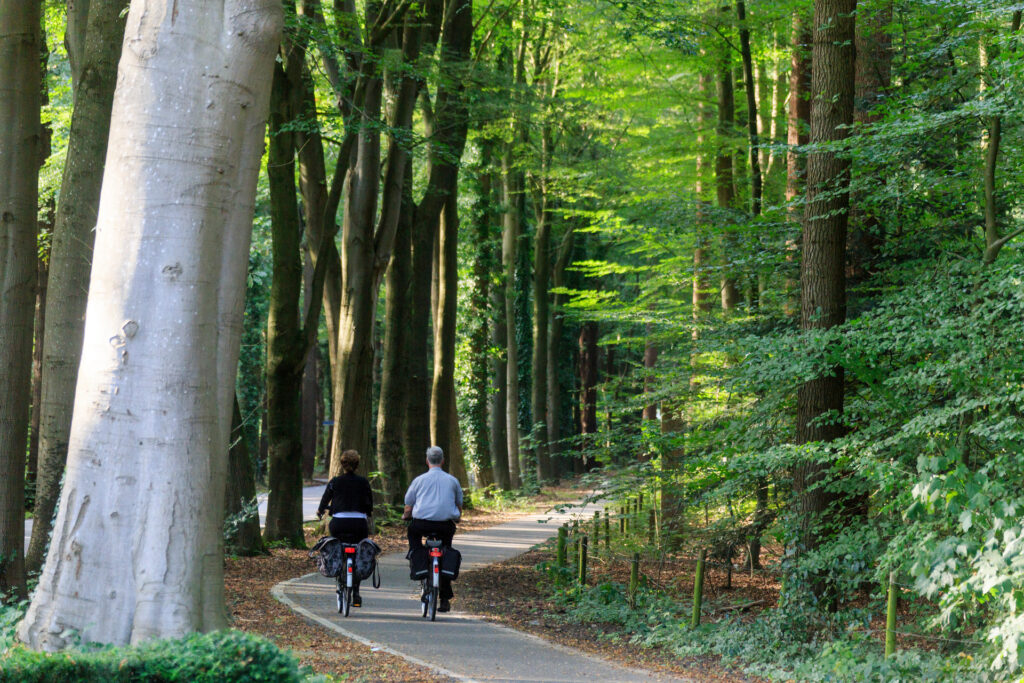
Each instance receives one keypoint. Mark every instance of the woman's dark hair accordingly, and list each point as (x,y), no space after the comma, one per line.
(350,461)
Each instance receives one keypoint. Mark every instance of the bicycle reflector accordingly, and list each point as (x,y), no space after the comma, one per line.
(350,550)
(435,552)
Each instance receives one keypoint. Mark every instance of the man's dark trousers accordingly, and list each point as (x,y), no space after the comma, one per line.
(418,528)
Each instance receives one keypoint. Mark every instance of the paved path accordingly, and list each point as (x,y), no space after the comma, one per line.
(310,501)
(458,645)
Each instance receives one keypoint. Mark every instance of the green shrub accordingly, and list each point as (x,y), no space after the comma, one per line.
(218,657)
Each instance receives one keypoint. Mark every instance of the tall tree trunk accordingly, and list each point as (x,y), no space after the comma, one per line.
(701,298)
(541,322)
(994,240)
(823,287)
(45,232)
(873,75)
(38,334)
(509,259)
(798,121)
(725,185)
(394,388)
(159,487)
(480,446)
(554,349)
(588,377)
(750,90)
(498,401)
(71,255)
(285,341)
(243,534)
(20,132)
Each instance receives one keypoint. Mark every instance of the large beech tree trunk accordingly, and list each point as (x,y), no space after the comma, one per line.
(822,280)
(149,441)
(20,133)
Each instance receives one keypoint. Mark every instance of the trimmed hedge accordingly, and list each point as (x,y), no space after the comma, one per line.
(218,657)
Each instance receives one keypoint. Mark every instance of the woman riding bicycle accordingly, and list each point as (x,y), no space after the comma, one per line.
(349,500)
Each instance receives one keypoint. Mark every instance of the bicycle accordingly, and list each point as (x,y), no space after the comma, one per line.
(432,583)
(346,591)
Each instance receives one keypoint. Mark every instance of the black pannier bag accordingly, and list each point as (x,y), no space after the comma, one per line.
(329,558)
(450,563)
(366,558)
(419,563)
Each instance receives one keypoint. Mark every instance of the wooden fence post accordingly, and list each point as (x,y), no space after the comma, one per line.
(698,590)
(583,561)
(890,617)
(607,530)
(563,532)
(634,580)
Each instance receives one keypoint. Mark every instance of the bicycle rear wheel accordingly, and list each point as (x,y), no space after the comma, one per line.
(346,601)
(432,607)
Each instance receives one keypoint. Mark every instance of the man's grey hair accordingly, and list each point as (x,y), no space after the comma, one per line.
(435,456)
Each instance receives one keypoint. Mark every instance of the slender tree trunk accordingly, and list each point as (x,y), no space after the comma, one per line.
(994,240)
(509,259)
(499,390)
(20,133)
(391,414)
(240,493)
(71,253)
(588,377)
(798,121)
(554,349)
(750,90)
(725,186)
(45,232)
(701,298)
(823,289)
(157,325)
(873,75)
(480,445)
(541,321)
(38,330)
(285,347)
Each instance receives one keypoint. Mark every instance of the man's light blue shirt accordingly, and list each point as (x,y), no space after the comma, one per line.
(434,495)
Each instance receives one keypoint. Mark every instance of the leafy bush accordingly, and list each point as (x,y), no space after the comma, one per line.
(218,657)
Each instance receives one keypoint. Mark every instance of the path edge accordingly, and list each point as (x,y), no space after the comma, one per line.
(278,592)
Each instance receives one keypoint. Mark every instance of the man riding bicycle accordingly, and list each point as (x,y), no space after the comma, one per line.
(434,504)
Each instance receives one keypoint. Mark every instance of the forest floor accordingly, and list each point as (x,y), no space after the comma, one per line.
(248,582)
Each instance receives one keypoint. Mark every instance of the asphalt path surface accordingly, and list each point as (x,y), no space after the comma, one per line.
(461,646)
